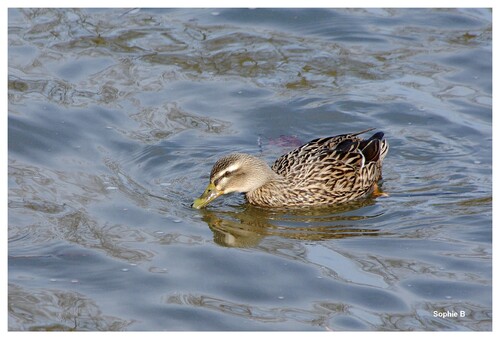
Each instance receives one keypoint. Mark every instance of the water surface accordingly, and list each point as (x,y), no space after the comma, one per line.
(116,116)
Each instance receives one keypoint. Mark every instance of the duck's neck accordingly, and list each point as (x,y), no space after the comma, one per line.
(271,194)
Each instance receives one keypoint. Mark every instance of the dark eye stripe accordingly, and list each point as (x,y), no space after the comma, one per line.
(225,174)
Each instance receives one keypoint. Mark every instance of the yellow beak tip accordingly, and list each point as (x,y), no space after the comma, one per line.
(210,194)
(198,203)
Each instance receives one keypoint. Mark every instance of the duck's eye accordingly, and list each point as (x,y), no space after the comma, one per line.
(222,176)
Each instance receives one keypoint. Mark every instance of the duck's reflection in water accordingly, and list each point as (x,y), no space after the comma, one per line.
(250,225)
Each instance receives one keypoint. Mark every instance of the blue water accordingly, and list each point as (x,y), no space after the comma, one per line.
(117,115)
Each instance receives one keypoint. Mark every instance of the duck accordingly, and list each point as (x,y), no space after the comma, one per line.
(325,171)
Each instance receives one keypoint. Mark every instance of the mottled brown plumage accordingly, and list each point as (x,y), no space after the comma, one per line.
(325,171)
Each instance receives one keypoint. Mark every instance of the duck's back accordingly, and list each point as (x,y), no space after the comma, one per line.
(334,169)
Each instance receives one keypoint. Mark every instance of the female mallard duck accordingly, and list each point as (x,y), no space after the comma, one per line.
(325,171)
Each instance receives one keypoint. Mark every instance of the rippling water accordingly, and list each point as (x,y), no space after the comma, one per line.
(116,116)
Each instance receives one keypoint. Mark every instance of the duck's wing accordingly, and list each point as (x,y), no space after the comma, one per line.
(348,171)
(317,150)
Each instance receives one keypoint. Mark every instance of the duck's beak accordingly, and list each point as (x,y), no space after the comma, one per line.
(210,194)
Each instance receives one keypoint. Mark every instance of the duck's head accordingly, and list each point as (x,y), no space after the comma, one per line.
(236,172)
